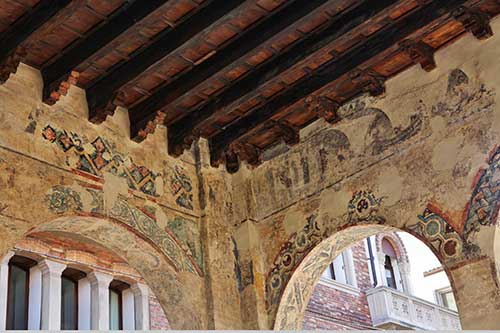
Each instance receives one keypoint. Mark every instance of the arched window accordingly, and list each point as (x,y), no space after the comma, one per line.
(18,293)
(392,274)
(389,272)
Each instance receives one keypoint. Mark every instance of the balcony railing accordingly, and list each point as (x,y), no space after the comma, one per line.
(391,309)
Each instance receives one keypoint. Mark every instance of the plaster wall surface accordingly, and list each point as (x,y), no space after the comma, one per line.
(224,251)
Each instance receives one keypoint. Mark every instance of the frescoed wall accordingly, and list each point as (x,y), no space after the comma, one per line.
(245,250)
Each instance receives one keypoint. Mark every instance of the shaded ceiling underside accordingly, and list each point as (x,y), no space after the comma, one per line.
(245,74)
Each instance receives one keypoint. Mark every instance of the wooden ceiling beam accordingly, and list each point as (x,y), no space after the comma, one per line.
(337,27)
(247,41)
(59,74)
(101,95)
(12,52)
(346,63)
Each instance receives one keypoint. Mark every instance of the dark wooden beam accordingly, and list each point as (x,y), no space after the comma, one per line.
(59,74)
(346,63)
(338,26)
(11,52)
(101,95)
(260,32)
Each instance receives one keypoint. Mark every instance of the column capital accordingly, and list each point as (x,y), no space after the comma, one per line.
(140,289)
(51,294)
(141,305)
(6,258)
(51,267)
(99,278)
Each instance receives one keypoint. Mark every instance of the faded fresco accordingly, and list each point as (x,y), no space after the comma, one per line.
(244,251)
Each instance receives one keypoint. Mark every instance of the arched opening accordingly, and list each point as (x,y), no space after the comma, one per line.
(382,286)
(105,276)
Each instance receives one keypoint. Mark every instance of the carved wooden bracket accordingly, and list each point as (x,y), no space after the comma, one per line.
(323,107)
(10,63)
(420,53)
(369,81)
(52,94)
(239,151)
(176,150)
(290,133)
(232,161)
(474,21)
(98,115)
(150,128)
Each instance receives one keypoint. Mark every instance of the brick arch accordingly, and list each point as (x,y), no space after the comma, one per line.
(166,283)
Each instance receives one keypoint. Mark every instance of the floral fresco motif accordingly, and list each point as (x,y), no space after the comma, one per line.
(290,255)
(63,199)
(363,208)
(102,156)
(181,187)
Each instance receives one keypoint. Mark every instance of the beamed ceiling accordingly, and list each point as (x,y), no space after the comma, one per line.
(245,74)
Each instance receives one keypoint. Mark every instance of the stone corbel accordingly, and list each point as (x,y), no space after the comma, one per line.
(474,21)
(420,53)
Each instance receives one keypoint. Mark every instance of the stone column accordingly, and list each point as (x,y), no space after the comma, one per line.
(84,307)
(51,294)
(99,299)
(4,283)
(128,308)
(141,305)
(35,298)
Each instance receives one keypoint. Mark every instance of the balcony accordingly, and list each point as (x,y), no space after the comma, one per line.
(391,309)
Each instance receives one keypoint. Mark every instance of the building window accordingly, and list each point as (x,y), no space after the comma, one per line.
(447,299)
(116,304)
(18,293)
(69,298)
(391,270)
(341,269)
(69,304)
(17,308)
(389,273)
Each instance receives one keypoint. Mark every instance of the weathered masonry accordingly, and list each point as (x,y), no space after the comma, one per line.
(228,150)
